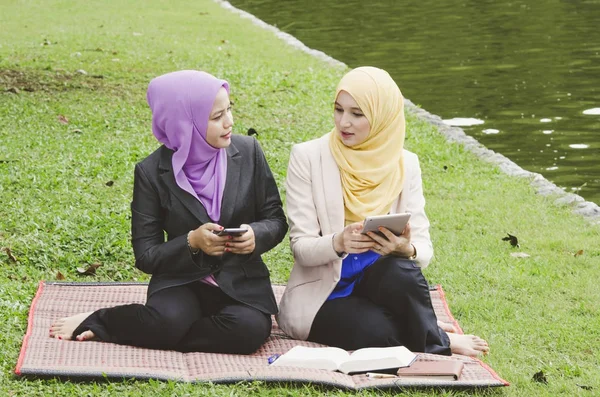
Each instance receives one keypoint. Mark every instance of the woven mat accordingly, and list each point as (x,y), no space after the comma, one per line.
(42,356)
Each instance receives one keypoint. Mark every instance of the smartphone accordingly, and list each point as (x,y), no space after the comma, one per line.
(395,223)
(231,231)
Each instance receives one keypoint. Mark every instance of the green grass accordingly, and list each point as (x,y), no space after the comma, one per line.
(57,212)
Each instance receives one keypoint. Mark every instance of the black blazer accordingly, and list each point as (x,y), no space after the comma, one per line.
(161,207)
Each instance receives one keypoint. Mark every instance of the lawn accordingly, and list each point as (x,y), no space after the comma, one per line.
(74,121)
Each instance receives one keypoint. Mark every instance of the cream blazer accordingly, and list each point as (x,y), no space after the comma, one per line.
(315,210)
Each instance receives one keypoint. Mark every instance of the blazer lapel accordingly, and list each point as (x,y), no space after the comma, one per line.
(190,202)
(234,161)
(332,188)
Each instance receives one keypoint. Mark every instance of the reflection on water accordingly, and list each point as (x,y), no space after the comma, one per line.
(530,72)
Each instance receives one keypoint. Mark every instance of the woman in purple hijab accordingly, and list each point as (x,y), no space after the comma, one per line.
(210,290)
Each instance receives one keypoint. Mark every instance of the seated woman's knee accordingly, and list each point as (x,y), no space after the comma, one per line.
(252,328)
(400,273)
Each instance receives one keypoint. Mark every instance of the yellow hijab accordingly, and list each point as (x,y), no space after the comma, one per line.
(372,172)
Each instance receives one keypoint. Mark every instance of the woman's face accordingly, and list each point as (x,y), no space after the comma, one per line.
(350,121)
(220,122)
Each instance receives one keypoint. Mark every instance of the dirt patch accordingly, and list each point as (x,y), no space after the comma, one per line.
(30,80)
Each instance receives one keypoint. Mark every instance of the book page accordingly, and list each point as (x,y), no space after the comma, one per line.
(374,358)
(313,357)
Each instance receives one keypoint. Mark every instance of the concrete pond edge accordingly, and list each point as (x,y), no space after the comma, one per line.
(587,209)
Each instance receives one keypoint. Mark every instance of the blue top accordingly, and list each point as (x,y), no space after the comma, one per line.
(353,268)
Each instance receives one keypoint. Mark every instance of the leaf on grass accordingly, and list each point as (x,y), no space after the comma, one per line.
(540,377)
(514,241)
(580,252)
(77,131)
(90,271)
(13,90)
(585,387)
(63,119)
(109,183)
(520,255)
(252,131)
(60,276)
(10,254)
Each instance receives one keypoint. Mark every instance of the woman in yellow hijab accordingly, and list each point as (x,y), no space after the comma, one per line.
(349,289)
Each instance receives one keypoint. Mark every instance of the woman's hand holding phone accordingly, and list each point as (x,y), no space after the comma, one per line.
(212,241)
(205,239)
(241,244)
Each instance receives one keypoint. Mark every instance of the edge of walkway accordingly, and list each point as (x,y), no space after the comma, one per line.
(587,209)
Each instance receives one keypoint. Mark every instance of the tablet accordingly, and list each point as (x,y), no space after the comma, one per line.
(395,223)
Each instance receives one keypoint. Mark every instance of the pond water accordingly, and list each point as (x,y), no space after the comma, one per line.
(525,75)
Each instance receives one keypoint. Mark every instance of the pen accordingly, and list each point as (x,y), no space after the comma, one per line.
(272,358)
(374,375)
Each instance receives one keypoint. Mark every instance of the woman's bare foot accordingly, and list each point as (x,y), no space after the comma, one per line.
(468,345)
(64,327)
(448,327)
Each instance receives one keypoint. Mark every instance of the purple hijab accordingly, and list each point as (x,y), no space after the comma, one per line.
(181,103)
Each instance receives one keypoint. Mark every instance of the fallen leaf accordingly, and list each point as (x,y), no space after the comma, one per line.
(90,271)
(13,90)
(109,183)
(60,276)
(77,131)
(585,387)
(252,131)
(520,255)
(580,252)
(224,41)
(540,377)
(10,254)
(63,119)
(514,241)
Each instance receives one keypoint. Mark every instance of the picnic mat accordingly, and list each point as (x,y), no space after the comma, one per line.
(42,356)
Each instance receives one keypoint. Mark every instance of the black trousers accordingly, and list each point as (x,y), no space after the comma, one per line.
(191,317)
(390,306)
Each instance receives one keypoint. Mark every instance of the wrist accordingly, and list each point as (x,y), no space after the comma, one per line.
(412,252)
(194,251)
(337,247)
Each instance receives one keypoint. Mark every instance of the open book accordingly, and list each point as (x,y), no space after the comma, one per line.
(336,359)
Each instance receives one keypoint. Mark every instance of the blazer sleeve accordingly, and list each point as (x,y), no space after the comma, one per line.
(309,246)
(271,225)
(419,223)
(154,255)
